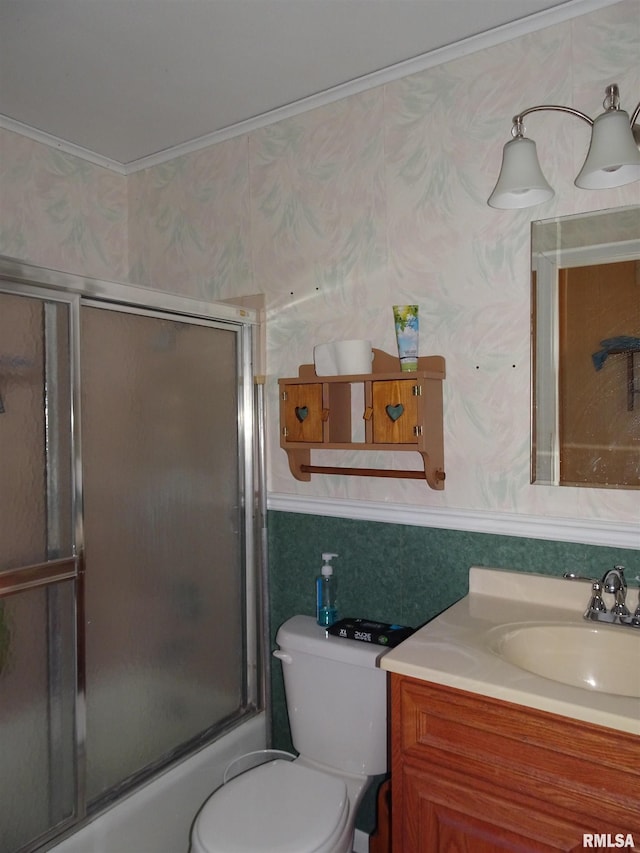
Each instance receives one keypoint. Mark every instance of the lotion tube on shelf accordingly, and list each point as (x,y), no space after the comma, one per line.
(405,318)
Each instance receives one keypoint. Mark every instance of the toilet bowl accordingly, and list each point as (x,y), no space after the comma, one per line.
(308,805)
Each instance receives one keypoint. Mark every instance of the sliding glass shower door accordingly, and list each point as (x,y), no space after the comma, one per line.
(38,571)
(163,537)
(127,565)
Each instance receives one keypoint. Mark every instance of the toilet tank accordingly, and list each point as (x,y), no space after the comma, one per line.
(336,697)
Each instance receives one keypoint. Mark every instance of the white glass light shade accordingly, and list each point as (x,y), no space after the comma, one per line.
(613,159)
(521,182)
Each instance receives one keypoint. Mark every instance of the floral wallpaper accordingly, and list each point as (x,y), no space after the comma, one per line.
(61,212)
(339,213)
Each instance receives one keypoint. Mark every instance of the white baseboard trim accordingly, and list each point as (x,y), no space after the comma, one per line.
(583,531)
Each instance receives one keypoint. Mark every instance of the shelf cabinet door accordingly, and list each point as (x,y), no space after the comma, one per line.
(302,412)
(395,411)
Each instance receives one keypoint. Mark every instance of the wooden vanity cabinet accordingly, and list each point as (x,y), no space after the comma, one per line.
(472,774)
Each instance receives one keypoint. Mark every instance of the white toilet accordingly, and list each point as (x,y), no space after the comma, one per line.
(337,703)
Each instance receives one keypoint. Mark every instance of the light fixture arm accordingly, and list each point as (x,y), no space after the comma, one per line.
(518,121)
(611,102)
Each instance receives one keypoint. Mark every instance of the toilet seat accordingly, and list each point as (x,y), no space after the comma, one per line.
(280,806)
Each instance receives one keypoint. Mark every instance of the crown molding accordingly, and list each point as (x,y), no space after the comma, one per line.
(582,531)
(491,38)
(61,145)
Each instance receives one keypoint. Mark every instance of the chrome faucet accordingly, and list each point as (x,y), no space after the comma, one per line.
(613,582)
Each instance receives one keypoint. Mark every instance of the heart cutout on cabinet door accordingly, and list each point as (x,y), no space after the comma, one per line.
(394,412)
(302,412)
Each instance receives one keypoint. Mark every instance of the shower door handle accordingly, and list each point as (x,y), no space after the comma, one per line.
(283,656)
(41,574)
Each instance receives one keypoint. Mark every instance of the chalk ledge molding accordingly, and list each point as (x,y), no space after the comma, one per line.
(584,531)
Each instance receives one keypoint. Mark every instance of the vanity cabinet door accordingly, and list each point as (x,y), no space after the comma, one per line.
(472,774)
(448,816)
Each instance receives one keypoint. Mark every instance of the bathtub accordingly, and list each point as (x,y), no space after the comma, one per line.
(157,818)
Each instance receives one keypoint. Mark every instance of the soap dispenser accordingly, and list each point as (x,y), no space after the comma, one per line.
(326,589)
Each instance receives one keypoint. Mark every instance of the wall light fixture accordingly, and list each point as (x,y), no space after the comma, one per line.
(613,158)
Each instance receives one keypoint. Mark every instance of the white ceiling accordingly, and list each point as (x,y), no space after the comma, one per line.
(126,79)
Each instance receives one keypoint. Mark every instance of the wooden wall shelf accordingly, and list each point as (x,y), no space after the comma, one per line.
(402,411)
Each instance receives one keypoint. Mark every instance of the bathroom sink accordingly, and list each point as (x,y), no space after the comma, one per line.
(594,658)
(521,637)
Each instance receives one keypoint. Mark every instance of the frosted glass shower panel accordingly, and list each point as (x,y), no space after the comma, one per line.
(162,515)
(37,695)
(35,431)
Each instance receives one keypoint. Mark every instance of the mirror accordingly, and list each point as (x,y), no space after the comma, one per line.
(585,303)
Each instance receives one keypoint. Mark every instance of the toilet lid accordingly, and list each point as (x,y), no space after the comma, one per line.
(279,806)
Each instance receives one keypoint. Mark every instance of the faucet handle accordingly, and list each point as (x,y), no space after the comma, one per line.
(571,576)
(596,604)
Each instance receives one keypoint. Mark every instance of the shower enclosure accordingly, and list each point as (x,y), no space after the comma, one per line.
(129,553)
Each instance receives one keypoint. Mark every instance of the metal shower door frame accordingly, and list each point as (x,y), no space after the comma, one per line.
(24,279)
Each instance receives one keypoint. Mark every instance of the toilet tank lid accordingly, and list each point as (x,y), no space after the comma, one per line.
(303,634)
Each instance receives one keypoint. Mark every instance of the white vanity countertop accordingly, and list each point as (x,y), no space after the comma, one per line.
(453,650)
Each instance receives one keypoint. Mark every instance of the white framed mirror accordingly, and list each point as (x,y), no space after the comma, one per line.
(585,312)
